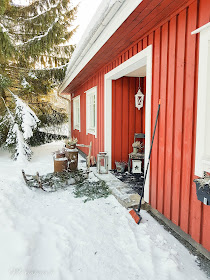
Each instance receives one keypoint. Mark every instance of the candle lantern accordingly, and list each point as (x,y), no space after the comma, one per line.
(139,98)
(102,163)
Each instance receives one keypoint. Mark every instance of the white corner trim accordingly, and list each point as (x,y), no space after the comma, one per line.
(88,92)
(198,30)
(77,98)
(143,58)
(201,163)
(103,35)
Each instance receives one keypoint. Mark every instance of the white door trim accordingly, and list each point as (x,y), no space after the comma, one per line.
(143,58)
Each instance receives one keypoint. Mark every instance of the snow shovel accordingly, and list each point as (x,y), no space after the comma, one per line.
(136,214)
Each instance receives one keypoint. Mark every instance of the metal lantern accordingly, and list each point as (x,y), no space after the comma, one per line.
(102,163)
(139,98)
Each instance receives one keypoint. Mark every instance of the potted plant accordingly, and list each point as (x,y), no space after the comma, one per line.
(137,146)
(203,188)
(71,143)
(120,166)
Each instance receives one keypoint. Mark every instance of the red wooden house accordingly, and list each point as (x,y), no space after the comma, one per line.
(167,44)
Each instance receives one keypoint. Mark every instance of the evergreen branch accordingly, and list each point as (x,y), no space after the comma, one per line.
(3,29)
(39,37)
(10,114)
(39,69)
(51,68)
(46,11)
(3,122)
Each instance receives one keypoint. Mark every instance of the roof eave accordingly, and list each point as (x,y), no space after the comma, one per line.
(119,12)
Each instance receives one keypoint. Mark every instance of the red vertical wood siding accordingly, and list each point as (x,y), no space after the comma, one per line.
(127,119)
(174,80)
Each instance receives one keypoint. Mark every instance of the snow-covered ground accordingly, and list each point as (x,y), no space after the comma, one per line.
(58,237)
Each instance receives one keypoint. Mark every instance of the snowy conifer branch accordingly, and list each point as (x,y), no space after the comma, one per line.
(41,14)
(3,28)
(38,37)
(10,114)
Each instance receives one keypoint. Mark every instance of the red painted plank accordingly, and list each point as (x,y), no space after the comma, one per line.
(125,114)
(150,42)
(204,12)
(188,119)
(178,124)
(162,117)
(140,46)
(138,117)
(135,49)
(102,111)
(195,205)
(113,122)
(164,9)
(155,96)
(118,120)
(145,43)
(126,56)
(151,38)
(142,110)
(132,89)
(170,119)
(130,53)
(205,227)
(195,216)
(99,107)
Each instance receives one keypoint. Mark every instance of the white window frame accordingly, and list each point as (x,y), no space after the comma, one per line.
(76,123)
(89,93)
(202,161)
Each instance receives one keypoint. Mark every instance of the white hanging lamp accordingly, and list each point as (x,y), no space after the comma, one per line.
(139,98)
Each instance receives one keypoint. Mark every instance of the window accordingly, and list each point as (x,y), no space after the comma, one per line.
(91,111)
(76,112)
(202,162)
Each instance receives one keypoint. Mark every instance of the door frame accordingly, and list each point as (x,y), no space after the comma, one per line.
(141,59)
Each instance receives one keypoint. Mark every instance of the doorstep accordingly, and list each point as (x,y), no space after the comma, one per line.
(126,196)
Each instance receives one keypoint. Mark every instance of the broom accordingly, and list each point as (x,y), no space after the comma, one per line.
(136,214)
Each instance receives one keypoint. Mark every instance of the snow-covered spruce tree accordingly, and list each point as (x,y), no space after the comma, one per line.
(34,51)
(21,124)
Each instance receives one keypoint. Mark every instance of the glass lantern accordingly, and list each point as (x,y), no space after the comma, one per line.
(139,99)
(102,163)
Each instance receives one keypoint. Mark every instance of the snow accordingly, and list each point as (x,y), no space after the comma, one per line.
(22,148)
(58,237)
(29,118)
(24,83)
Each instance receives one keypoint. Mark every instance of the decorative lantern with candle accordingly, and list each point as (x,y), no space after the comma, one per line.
(102,163)
(139,98)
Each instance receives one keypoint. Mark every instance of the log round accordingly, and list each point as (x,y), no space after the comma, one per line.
(72,156)
(60,164)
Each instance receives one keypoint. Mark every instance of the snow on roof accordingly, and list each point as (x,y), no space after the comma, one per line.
(107,19)
(91,29)
(102,16)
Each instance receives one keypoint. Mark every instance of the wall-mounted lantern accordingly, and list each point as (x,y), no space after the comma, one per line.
(139,98)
